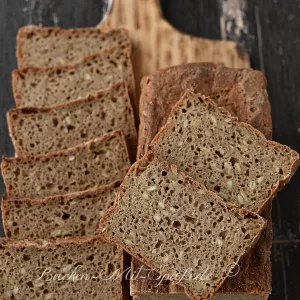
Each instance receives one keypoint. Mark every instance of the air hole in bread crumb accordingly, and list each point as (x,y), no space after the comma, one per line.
(217,188)
(26,257)
(83,218)
(55,122)
(65,216)
(176,224)
(91,257)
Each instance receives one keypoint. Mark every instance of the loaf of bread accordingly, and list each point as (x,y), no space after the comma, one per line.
(62,216)
(52,46)
(172,223)
(229,157)
(241,91)
(44,87)
(78,269)
(36,131)
(86,166)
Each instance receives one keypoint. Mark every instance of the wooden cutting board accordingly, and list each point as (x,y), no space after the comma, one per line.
(156,44)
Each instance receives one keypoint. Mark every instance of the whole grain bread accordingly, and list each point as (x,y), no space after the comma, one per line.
(241,91)
(169,222)
(62,216)
(52,46)
(44,87)
(86,166)
(250,280)
(229,157)
(253,279)
(36,131)
(77,269)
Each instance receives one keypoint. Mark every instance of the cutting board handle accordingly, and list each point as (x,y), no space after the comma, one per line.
(125,12)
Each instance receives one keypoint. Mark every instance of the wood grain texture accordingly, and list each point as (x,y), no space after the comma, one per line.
(156,44)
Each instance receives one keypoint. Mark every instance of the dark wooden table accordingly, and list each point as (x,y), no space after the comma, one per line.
(269,29)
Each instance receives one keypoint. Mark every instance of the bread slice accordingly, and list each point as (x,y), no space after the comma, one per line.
(86,166)
(52,46)
(75,269)
(37,131)
(241,91)
(70,215)
(44,87)
(172,223)
(250,280)
(229,157)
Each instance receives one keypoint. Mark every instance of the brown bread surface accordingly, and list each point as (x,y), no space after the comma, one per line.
(229,157)
(241,91)
(44,87)
(169,221)
(86,166)
(53,46)
(66,270)
(50,218)
(36,131)
(251,279)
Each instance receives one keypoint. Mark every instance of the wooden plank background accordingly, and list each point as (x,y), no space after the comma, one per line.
(269,29)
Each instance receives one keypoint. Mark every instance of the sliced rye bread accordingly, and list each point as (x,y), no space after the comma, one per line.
(253,281)
(44,87)
(53,46)
(86,166)
(36,131)
(62,216)
(229,157)
(172,223)
(76,269)
(241,91)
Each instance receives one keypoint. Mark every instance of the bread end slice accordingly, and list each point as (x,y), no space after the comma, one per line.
(172,223)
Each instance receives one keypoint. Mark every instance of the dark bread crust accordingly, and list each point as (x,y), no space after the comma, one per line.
(241,91)
(18,75)
(133,171)
(132,142)
(254,277)
(27,31)
(212,106)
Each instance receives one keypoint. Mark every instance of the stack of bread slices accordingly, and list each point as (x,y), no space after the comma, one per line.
(191,208)
(73,131)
